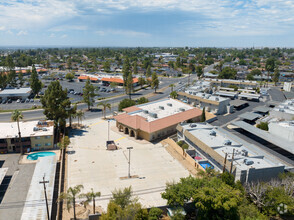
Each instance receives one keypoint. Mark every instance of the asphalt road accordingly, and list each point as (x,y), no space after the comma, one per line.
(38,114)
(276,94)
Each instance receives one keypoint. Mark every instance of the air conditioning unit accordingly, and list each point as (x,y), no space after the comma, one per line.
(182,109)
(153,115)
(227,142)
(36,128)
(44,129)
(169,104)
(145,111)
(212,133)
(161,107)
(248,162)
(193,125)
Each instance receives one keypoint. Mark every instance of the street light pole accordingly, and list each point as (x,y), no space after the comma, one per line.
(44,183)
(129,173)
(108,129)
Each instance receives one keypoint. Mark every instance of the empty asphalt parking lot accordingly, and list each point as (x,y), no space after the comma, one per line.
(94,167)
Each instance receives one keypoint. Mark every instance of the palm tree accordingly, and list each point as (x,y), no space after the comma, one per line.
(70,197)
(90,196)
(172,87)
(80,115)
(16,116)
(174,94)
(105,106)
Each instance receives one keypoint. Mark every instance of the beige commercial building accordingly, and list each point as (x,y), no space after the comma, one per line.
(227,82)
(35,135)
(156,120)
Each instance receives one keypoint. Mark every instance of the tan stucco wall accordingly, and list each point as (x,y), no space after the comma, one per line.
(43,140)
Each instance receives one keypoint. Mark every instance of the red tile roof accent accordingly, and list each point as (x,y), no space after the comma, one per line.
(83,77)
(118,80)
(138,122)
(131,109)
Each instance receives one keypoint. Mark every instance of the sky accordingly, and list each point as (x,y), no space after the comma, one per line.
(147,23)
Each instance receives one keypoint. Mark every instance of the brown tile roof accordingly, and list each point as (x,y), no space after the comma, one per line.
(131,109)
(138,122)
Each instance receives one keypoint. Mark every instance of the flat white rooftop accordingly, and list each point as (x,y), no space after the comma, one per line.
(10,130)
(163,108)
(223,144)
(15,91)
(287,107)
(286,124)
(206,96)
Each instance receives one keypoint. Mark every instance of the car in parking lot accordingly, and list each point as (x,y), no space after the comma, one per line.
(18,101)
(4,101)
(32,100)
(27,100)
(23,101)
(9,101)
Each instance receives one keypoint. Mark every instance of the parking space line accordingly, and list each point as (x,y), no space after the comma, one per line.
(120,139)
(96,123)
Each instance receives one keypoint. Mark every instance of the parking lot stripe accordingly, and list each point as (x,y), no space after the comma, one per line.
(96,123)
(120,139)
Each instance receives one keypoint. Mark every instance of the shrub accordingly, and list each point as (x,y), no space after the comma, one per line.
(125,103)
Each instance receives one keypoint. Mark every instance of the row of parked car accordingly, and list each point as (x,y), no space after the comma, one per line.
(8,101)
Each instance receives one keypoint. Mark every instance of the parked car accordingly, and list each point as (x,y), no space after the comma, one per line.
(4,101)
(23,101)
(27,100)
(9,101)
(32,100)
(18,101)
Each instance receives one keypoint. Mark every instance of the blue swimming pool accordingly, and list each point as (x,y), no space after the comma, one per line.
(205,164)
(35,156)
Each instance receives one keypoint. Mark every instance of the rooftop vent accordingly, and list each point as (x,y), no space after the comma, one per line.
(44,129)
(35,129)
(245,153)
(161,107)
(248,162)
(193,125)
(182,109)
(153,115)
(169,104)
(227,142)
(216,98)
(286,107)
(212,133)
(281,110)
(145,111)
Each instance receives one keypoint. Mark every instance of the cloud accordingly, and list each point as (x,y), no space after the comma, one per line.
(69,27)
(2,28)
(64,36)
(22,33)
(52,35)
(129,33)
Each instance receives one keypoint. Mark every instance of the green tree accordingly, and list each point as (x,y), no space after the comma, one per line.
(69,76)
(154,82)
(88,94)
(228,73)
(126,69)
(125,104)
(256,72)
(171,87)
(90,197)
(173,94)
(106,66)
(154,213)
(141,81)
(148,71)
(70,197)
(270,66)
(199,71)
(135,68)
(3,80)
(129,85)
(203,116)
(80,115)
(250,77)
(21,80)
(11,78)
(105,106)
(55,102)
(122,197)
(113,85)
(262,126)
(171,64)
(36,84)
(16,116)
(276,76)
(142,100)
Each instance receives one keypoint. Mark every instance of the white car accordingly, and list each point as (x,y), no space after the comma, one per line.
(18,101)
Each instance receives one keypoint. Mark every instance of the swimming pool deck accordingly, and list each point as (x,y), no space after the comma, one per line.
(94,167)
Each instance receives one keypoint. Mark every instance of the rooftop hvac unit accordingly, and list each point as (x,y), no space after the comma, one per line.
(182,109)
(212,133)
(153,115)
(248,162)
(203,95)
(227,142)
(169,104)
(161,107)
(216,98)
(193,125)
(208,96)
(194,93)
(145,111)
(44,129)
(281,110)
(245,153)
(35,129)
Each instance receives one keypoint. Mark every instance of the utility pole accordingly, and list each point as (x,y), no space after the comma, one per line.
(232,161)
(44,184)
(224,168)
(129,148)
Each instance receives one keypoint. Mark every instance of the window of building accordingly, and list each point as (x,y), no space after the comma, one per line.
(38,145)
(47,144)
(47,137)
(37,137)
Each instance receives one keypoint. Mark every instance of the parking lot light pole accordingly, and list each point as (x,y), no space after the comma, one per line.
(129,148)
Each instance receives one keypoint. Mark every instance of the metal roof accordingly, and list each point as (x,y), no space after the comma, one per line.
(266,136)
(262,109)
(3,172)
(237,103)
(250,116)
